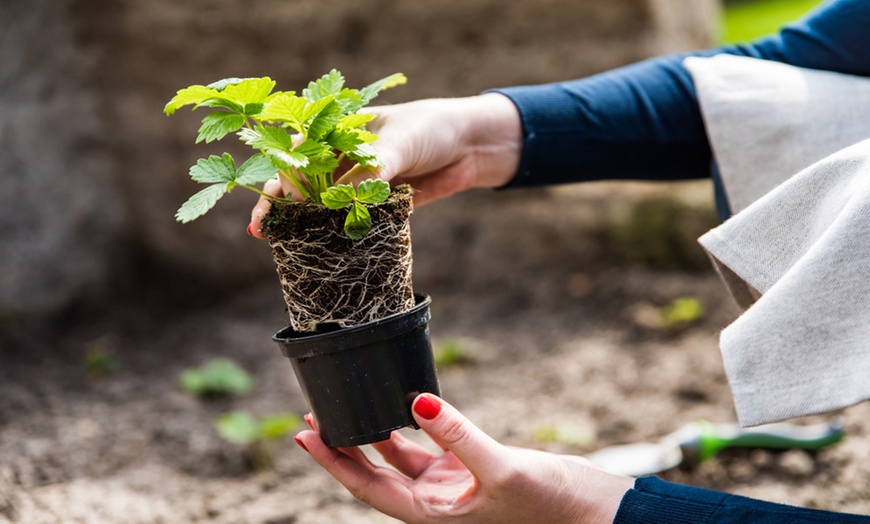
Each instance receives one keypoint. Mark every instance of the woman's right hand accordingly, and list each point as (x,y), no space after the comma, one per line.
(438,146)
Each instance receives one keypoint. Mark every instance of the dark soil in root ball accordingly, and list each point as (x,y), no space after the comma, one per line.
(327,277)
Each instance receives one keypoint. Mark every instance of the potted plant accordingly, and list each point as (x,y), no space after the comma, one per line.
(358,335)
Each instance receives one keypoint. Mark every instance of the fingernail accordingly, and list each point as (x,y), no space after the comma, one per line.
(250,232)
(301,445)
(427,407)
(309,420)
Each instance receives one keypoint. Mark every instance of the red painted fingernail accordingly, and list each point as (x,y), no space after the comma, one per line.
(301,445)
(427,407)
(250,232)
(309,420)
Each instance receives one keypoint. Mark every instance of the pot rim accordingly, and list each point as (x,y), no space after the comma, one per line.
(296,345)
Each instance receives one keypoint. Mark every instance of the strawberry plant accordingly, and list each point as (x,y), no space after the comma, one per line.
(302,138)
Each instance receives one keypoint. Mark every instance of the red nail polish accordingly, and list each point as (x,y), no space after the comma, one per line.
(427,407)
(309,420)
(301,445)
(251,233)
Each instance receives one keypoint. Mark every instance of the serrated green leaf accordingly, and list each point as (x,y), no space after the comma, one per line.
(250,90)
(365,155)
(189,95)
(312,109)
(321,157)
(218,125)
(256,170)
(350,99)
(288,159)
(366,136)
(325,121)
(226,103)
(343,140)
(329,84)
(373,191)
(254,109)
(239,427)
(214,169)
(273,427)
(200,203)
(285,108)
(371,91)
(338,197)
(267,137)
(355,120)
(358,222)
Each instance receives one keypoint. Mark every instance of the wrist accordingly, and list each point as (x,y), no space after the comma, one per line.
(494,135)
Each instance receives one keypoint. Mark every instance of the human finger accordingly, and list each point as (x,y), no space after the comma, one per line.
(272,188)
(483,456)
(406,456)
(380,488)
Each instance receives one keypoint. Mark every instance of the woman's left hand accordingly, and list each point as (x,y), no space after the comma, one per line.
(475,480)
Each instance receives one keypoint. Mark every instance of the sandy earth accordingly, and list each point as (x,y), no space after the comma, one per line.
(560,335)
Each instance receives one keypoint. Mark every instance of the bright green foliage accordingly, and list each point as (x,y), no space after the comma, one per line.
(221,173)
(241,427)
(745,21)
(301,138)
(220,376)
(258,434)
(359,220)
(681,313)
(452,353)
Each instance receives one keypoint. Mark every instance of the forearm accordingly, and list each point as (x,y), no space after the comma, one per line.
(643,120)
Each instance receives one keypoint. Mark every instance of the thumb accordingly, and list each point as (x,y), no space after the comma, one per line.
(482,455)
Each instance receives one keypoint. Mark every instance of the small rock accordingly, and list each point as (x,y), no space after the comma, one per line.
(796,462)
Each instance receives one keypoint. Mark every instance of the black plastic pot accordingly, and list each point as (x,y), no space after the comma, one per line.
(360,381)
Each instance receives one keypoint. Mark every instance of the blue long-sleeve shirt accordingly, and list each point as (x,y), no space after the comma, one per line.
(643,122)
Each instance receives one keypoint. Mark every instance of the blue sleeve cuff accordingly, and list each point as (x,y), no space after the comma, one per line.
(654,500)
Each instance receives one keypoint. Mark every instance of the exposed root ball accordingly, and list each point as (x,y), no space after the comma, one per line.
(328,278)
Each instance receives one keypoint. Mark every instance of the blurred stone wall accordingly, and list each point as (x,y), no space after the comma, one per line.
(92,171)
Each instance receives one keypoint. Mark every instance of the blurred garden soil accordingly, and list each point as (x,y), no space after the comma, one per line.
(560,324)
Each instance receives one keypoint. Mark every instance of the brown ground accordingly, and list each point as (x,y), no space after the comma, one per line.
(556,317)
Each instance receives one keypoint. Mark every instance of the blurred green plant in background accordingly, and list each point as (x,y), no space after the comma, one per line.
(746,20)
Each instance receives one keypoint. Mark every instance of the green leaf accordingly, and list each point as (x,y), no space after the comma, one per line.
(346,141)
(338,197)
(214,169)
(239,427)
(288,159)
(254,109)
(350,99)
(221,102)
(277,426)
(218,125)
(373,191)
(200,203)
(220,85)
(327,85)
(325,121)
(250,90)
(366,155)
(189,95)
(256,170)
(267,137)
(321,157)
(358,222)
(218,376)
(371,91)
(355,120)
(285,108)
